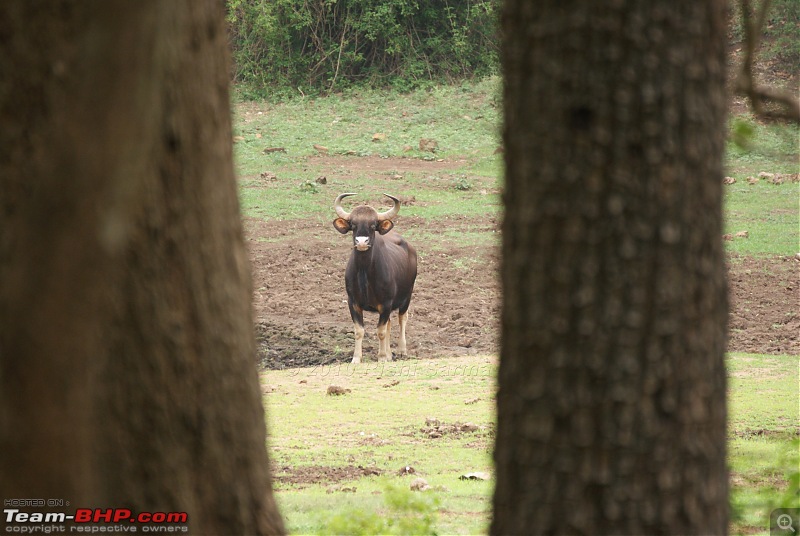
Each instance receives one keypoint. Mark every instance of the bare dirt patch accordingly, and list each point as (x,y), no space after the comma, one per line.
(383,166)
(301,305)
(764,298)
(301,311)
(303,476)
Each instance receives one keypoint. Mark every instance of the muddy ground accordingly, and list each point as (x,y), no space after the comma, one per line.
(302,318)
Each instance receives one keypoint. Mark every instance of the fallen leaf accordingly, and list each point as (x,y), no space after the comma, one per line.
(742,234)
(378,136)
(274,150)
(321,148)
(471,401)
(392,384)
(237,139)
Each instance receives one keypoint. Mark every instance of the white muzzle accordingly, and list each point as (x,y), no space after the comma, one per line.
(361,243)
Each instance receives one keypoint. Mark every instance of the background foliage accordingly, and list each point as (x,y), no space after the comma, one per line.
(282,47)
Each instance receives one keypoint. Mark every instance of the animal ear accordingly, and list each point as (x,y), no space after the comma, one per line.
(341,225)
(385,226)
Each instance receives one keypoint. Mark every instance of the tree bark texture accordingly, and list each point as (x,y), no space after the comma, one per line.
(611,403)
(127,356)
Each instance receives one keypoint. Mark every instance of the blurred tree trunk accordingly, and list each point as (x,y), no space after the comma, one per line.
(127,357)
(611,404)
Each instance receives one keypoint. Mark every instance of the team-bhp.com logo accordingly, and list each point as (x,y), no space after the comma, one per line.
(94,520)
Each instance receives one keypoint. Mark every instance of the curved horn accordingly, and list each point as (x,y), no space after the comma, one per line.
(337,206)
(392,212)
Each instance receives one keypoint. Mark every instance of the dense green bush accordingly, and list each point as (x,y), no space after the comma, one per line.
(313,46)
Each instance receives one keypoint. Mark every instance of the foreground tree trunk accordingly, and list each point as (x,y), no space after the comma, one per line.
(127,371)
(611,404)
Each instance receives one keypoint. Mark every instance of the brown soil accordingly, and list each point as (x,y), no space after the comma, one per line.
(302,318)
(302,476)
(764,293)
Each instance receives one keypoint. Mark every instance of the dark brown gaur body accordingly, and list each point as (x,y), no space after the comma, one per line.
(380,273)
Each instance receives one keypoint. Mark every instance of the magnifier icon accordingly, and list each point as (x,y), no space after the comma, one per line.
(784,522)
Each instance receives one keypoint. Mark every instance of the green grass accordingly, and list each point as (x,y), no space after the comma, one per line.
(768,212)
(462,119)
(379,425)
(763,447)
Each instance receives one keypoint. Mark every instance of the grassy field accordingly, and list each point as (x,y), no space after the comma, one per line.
(388,420)
(382,425)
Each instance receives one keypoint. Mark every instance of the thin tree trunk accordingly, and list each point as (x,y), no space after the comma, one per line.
(611,404)
(127,368)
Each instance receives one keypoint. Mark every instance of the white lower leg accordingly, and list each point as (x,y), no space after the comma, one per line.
(359,332)
(401,347)
(384,353)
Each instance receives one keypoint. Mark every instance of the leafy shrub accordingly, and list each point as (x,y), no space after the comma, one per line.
(408,513)
(312,46)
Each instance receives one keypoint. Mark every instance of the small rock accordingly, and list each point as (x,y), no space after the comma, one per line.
(469,427)
(322,180)
(419,484)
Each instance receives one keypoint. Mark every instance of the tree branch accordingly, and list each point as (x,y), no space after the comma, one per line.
(746,85)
